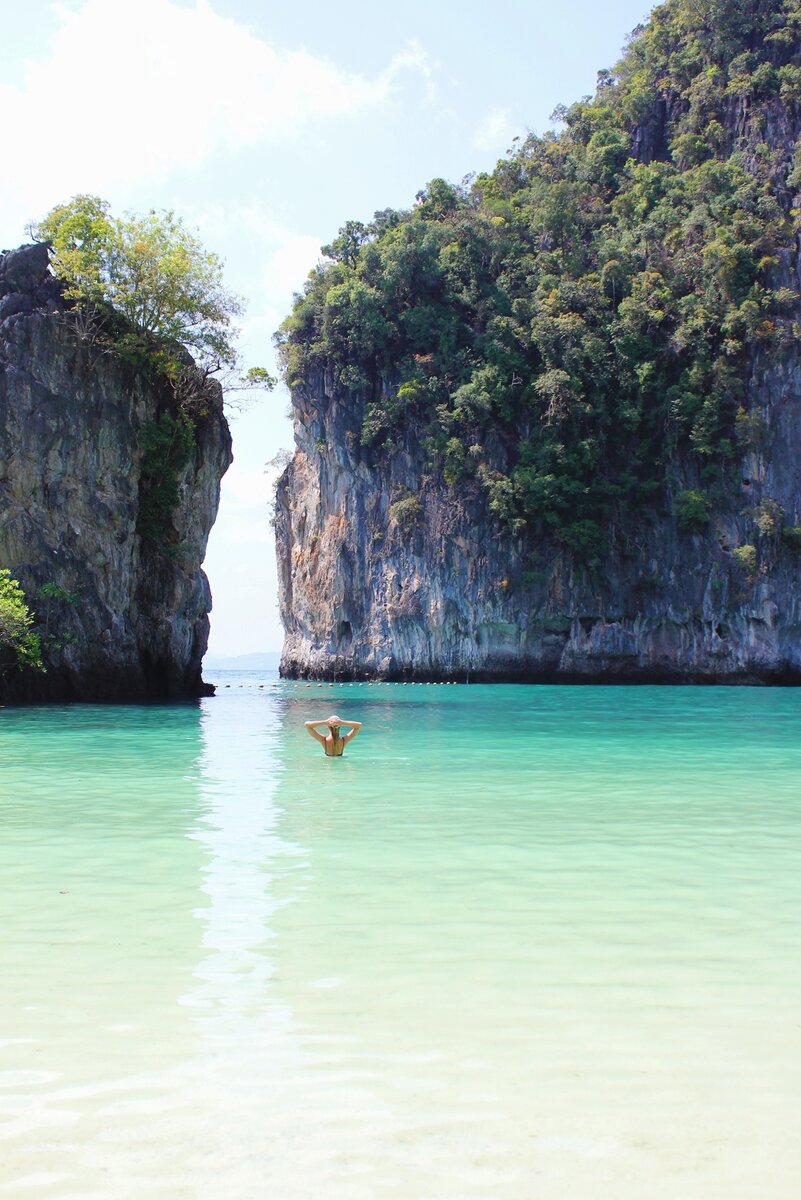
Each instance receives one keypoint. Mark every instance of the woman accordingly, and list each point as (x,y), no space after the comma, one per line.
(334,742)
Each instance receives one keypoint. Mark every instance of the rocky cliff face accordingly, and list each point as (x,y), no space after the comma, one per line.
(372,585)
(121,618)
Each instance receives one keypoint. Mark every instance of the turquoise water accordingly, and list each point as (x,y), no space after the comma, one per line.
(520,943)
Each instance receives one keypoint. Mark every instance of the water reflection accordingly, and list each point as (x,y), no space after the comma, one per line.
(243,855)
(238,834)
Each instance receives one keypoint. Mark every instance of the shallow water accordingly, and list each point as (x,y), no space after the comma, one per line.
(520,942)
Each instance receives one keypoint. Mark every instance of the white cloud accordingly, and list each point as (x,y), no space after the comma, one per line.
(290,263)
(274,256)
(265,258)
(128,91)
(415,61)
(495,132)
(133,98)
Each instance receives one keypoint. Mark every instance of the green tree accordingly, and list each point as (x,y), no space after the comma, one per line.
(151,270)
(693,511)
(167,445)
(20,645)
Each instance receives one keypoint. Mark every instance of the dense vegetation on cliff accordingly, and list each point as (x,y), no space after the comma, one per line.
(565,331)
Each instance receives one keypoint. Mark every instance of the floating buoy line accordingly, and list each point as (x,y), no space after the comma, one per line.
(274,683)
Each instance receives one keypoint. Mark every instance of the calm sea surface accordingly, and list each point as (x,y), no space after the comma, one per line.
(521,943)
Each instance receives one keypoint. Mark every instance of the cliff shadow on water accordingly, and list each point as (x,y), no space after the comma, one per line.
(108,492)
(548,423)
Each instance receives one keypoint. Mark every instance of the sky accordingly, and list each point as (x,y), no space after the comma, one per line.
(266,126)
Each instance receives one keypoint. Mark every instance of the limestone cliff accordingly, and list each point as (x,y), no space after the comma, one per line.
(444,596)
(570,354)
(121,617)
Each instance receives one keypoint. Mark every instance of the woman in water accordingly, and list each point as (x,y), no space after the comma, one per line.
(334,742)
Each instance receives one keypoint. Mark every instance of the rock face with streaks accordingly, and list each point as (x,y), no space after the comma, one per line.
(120,617)
(437,593)
(387,571)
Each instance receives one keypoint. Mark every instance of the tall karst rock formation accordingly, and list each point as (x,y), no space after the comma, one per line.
(549,426)
(123,614)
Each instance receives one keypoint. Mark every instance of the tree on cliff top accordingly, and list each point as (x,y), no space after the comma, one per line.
(149,268)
